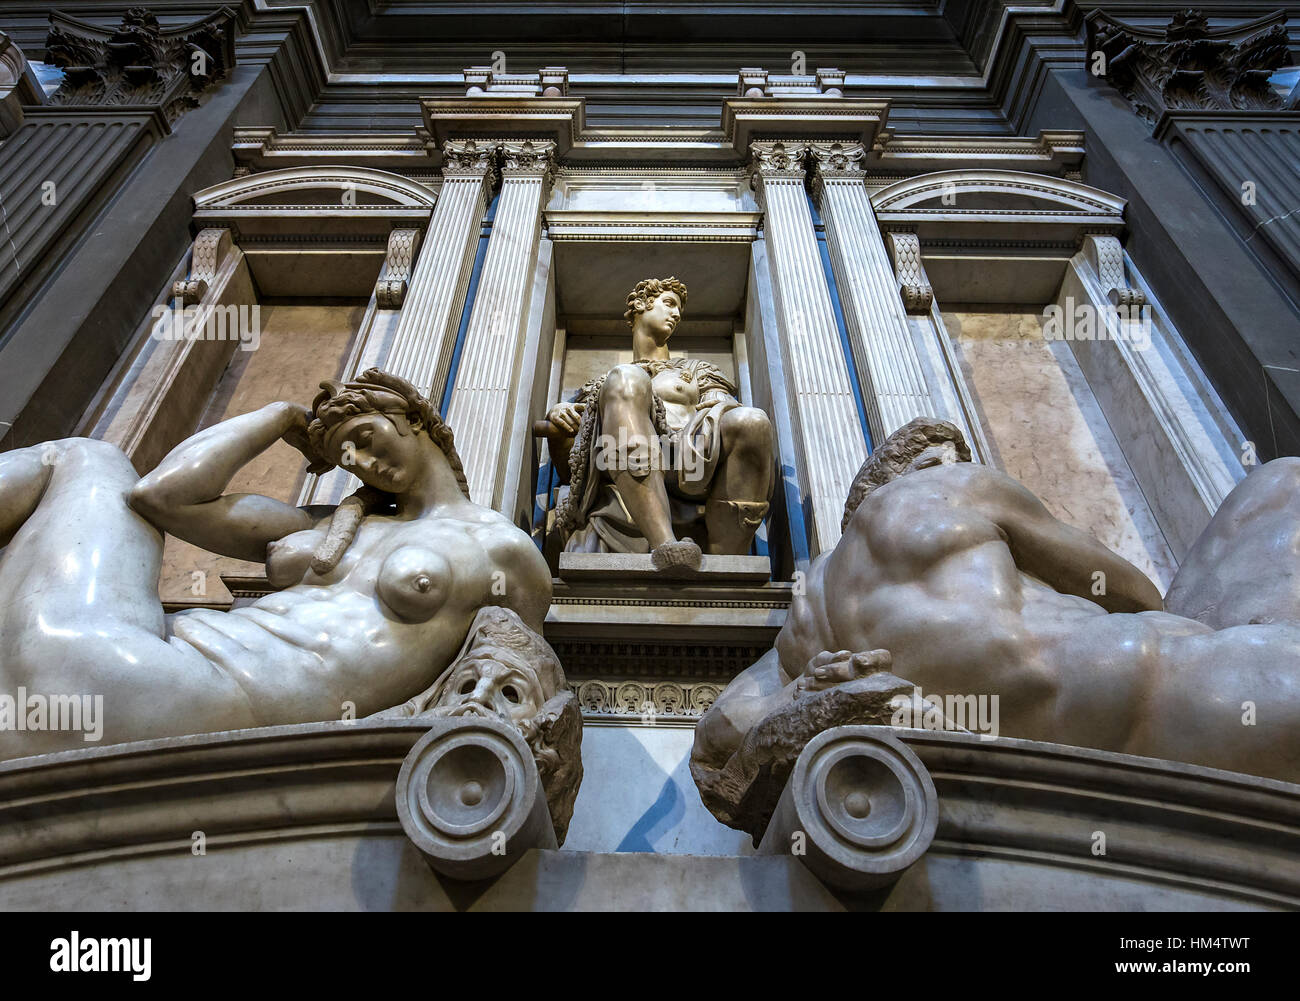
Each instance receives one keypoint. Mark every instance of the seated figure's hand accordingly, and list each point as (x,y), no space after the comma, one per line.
(828,669)
(566,416)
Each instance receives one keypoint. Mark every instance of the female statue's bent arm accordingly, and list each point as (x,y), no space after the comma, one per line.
(183,495)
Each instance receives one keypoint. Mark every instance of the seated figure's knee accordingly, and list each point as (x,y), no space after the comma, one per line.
(627,384)
(748,427)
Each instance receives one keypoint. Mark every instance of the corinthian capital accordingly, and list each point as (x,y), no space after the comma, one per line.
(528,156)
(778,158)
(467,156)
(837,159)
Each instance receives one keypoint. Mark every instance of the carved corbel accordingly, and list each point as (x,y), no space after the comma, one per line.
(390,290)
(1107,258)
(913,282)
(210,249)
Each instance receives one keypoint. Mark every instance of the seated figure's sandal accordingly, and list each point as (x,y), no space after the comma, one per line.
(676,559)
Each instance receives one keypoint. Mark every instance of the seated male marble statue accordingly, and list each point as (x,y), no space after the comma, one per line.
(655,440)
(376,596)
(507,671)
(960,577)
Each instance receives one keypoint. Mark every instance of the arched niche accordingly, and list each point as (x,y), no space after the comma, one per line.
(315,231)
(996,235)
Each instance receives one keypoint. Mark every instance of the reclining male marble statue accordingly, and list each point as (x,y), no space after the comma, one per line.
(953,578)
(376,597)
(648,443)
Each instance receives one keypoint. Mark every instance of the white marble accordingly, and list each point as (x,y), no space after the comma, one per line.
(1046,429)
(830,434)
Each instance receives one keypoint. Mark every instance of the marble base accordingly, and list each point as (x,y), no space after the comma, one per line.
(637,566)
(304,818)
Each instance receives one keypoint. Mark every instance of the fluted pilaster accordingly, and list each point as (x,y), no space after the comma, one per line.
(487,377)
(435,296)
(895,390)
(827,418)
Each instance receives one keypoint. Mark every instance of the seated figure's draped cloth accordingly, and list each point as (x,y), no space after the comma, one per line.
(593,516)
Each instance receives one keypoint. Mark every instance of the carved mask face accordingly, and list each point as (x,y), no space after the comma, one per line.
(493,683)
(661,319)
(381,450)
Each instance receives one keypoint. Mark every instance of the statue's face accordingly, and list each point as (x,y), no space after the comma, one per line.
(381,450)
(942,454)
(661,319)
(493,683)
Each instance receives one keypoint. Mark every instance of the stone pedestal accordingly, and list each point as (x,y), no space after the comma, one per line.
(636,566)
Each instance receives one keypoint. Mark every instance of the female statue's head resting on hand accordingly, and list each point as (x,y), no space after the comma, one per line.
(378,427)
(371,427)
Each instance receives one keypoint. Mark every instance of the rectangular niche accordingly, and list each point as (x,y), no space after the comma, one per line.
(1046,429)
(301,342)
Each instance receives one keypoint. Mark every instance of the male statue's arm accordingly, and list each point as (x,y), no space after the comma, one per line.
(1063,557)
(183,495)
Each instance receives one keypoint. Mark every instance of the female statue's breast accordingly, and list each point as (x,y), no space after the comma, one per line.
(414,583)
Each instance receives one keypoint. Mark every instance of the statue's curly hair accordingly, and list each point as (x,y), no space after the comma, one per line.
(372,392)
(647,291)
(896,453)
(379,392)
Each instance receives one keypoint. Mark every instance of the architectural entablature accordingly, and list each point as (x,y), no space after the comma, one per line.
(979,206)
(559,119)
(748,118)
(1050,152)
(639,225)
(315,204)
(263,148)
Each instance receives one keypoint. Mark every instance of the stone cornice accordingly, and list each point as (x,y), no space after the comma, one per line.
(559,120)
(747,119)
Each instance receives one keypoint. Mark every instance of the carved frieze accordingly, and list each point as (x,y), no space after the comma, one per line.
(140,63)
(1187,66)
(652,703)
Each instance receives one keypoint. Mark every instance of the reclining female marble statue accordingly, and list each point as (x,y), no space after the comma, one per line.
(653,440)
(375,597)
(954,577)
